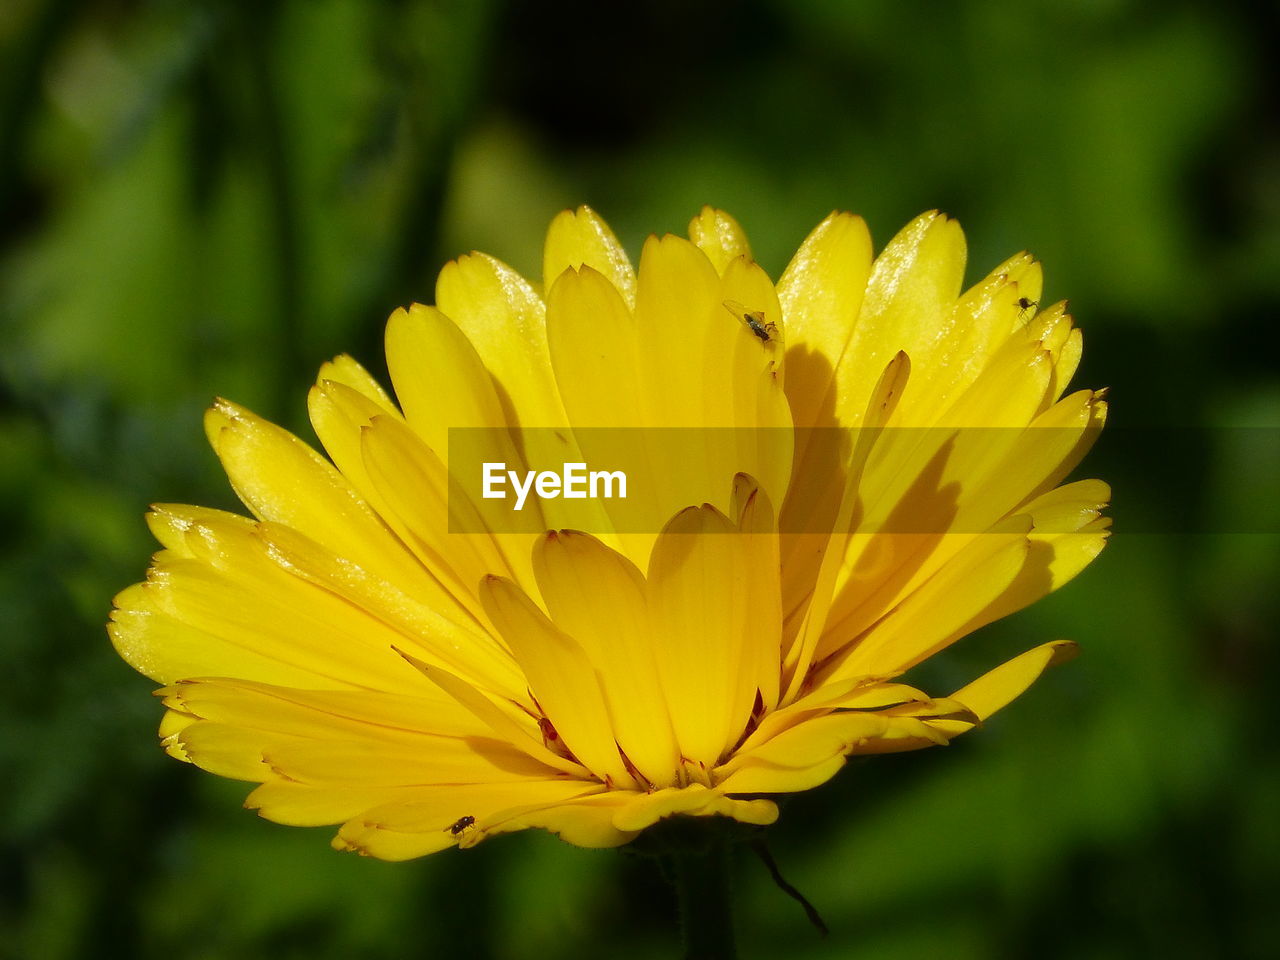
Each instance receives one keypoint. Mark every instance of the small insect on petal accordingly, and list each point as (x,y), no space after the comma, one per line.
(460,824)
(1025,308)
(765,331)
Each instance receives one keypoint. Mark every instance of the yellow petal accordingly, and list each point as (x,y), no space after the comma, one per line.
(166,648)
(345,370)
(299,604)
(252,620)
(702,622)
(939,480)
(302,805)
(595,351)
(412,828)
(677,309)
(1052,560)
(909,305)
(562,678)
(811,752)
(1060,544)
(504,319)
(833,549)
(369,840)
(426,760)
(695,800)
(510,721)
(755,520)
(985,316)
(283,480)
(578,238)
(1010,391)
(1068,360)
(440,524)
(1067,508)
(801,757)
(442,384)
(232,752)
(934,616)
(744,381)
(983,697)
(446,392)
(686,335)
(821,294)
(428,624)
(644,810)
(584,821)
(719,236)
(344,399)
(318,714)
(353,755)
(598,597)
(996,689)
(339,413)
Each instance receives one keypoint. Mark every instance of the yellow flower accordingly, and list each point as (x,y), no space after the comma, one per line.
(369,665)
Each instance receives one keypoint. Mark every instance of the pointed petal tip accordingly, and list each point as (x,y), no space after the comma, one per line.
(221,406)
(583,210)
(333,362)
(420,665)
(1064,651)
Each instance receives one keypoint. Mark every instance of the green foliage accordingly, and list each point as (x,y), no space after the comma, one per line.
(214,197)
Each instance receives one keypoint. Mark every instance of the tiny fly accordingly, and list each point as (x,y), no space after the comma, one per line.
(767,332)
(460,824)
(1025,306)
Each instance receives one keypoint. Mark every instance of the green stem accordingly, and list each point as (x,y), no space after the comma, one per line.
(701,880)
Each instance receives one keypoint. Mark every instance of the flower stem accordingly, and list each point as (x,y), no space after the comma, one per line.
(701,880)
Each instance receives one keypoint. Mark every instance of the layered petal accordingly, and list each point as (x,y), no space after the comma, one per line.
(578,238)
(704,618)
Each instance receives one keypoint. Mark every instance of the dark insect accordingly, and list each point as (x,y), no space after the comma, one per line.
(1025,305)
(460,824)
(754,319)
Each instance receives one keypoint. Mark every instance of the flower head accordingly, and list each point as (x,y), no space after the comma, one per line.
(379,649)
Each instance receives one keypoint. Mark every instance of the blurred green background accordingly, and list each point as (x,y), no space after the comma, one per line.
(209,197)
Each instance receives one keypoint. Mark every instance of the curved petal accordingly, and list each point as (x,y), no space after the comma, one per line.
(562,678)
(704,619)
(597,597)
(435,818)
(578,238)
(719,236)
